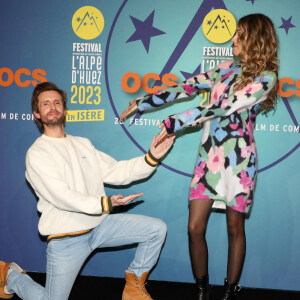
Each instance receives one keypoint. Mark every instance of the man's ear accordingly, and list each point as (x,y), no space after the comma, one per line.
(36,115)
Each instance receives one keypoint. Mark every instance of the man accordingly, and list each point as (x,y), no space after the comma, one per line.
(67,174)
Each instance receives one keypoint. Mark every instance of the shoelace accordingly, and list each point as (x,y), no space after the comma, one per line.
(143,287)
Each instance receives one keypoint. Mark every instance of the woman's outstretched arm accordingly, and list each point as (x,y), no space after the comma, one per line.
(186,89)
(238,100)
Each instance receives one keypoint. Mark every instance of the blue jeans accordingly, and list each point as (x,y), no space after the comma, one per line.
(66,256)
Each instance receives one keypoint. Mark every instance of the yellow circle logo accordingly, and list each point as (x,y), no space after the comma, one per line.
(219,26)
(88,22)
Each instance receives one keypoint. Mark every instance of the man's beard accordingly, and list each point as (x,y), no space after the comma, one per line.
(55,122)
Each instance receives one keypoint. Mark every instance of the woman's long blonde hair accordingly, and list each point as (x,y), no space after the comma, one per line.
(259,43)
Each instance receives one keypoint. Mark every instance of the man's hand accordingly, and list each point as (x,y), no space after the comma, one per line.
(159,148)
(118,200)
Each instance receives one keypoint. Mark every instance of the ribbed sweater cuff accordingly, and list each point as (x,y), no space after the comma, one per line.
(151,160)
(106,204)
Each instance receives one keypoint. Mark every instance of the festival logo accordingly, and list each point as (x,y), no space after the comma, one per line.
(88,22)
(86,72)
(219,26)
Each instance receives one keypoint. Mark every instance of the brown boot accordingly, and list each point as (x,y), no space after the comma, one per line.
(4,294)
(135,288)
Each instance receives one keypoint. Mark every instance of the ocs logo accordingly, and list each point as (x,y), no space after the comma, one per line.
(88,22)
(219,26)
(21,77)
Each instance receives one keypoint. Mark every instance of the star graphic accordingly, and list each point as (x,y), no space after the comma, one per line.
(78,19)
(216,27)
(84,23)
(252,1)
(189,75)
(209,22)
(144,31)
(286,24)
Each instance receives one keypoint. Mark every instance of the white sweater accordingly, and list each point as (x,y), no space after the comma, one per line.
(67,175)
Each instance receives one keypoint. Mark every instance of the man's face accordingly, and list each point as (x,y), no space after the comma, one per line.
(51,109)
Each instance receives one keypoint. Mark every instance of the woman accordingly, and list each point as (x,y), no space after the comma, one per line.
(226,166)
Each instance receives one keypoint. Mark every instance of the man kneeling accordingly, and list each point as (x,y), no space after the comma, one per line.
(68,174)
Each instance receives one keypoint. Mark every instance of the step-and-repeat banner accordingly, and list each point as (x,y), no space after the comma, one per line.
(106,53)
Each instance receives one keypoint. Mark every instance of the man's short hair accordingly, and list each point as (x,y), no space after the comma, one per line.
(44,87)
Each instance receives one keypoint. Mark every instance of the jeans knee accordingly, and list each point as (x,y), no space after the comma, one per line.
(159,228)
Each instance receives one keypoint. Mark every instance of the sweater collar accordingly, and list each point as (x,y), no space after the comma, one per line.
(60,140)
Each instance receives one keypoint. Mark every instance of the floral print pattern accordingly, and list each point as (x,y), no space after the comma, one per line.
(226,166)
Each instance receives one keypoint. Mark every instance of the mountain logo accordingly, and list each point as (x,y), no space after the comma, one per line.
(88,22)
(219,26)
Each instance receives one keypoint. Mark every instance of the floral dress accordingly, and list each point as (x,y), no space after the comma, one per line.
(226,165)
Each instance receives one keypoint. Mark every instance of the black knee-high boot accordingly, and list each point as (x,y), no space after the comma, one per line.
(231,290)
(203,288)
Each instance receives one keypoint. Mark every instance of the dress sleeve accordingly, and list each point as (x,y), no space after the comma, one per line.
(238,100)
(188,88)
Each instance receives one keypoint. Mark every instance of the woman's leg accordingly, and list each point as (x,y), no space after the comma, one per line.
(237,244)
(199,214)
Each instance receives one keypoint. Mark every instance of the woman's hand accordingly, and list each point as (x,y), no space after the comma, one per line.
(118,200)
(162,135)
(128,111)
